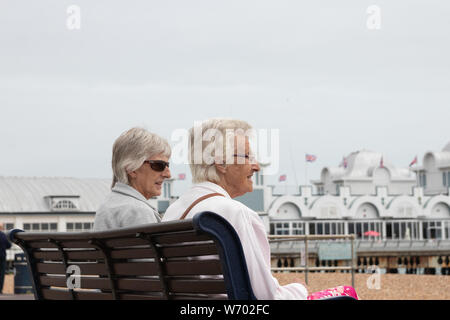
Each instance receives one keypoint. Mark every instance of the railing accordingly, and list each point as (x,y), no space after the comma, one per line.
(306,238)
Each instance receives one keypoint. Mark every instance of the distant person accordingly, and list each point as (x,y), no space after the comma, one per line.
(4,245)
(140,164)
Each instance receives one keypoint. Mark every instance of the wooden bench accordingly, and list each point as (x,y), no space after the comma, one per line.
(199,258)
(192,259)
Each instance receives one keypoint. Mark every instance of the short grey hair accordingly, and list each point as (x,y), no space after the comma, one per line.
(206,171)
(132,148)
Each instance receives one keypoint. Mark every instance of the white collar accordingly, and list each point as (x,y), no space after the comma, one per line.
(127,190)
(213,187)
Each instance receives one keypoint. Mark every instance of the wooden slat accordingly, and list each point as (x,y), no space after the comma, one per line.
(50,268)
(169,238)
(195,267)
(189,250)
(140,253)
(53,281)
(139,284)
(210,286)
(86,283)
(205,286)
(84,295)
(127,296)
(86,269)
(41,244)
(198,297)
(172,238)
(136,268)
(65,244)
(168,252)
(56,294)
(61,294)
(125,242)
(71,255)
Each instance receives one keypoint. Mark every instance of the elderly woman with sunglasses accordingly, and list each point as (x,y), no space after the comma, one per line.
(140,165)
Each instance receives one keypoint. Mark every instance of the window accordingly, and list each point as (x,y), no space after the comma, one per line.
(65,204)
(40,227)
(287,228)
(402,230)
(365,230)
(9,226)
(432,229)
(444,179)
(79,226)
(422,179)
(326,227)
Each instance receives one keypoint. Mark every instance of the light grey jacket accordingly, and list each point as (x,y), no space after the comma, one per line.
(124,207)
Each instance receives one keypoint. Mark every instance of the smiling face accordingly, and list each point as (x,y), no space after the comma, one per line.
(148,181)
(236,178)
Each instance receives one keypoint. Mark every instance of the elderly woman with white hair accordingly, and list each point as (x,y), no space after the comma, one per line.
(222,169)
(140,166)
(220,174)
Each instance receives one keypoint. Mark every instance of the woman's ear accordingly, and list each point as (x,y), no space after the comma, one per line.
(131,175)
(221,168)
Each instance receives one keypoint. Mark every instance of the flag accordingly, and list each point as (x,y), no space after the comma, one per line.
(381,163)
(344,162)
(181,176)
(310,158)
(413,162)
(283,177)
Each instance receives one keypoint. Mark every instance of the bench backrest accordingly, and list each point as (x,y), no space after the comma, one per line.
(199,258)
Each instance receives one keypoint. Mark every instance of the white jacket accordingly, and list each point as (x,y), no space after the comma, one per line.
(124,207)
(252,234)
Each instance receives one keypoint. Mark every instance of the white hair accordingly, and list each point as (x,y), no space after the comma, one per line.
(132,148)
(215,137)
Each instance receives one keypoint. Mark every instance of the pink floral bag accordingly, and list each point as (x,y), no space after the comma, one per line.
(334,292)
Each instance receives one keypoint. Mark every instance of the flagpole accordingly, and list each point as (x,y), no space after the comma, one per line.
(306,171)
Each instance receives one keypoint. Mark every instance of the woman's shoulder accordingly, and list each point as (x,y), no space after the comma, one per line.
(123,203)
(225,204)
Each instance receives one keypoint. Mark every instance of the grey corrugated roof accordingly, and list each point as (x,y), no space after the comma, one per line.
(27,194)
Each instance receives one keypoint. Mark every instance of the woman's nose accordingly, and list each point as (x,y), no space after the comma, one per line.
(166,173)
(255,166)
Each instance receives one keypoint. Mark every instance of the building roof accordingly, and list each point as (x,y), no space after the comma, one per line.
(361,166)
(447,147)
(31,194)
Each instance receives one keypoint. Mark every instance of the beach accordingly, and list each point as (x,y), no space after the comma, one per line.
(368,287)
(386,287)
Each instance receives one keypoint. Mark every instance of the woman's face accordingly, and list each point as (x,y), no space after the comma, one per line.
(148,181)
(238,176)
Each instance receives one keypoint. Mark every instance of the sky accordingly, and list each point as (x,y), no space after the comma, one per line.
(331,77)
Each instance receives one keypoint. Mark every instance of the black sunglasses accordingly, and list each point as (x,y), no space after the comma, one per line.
(157,165)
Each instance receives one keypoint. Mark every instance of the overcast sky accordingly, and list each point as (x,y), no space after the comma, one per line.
(314,70)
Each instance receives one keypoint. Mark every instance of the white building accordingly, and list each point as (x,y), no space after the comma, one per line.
(434,175)
(365,193)
(363,172)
